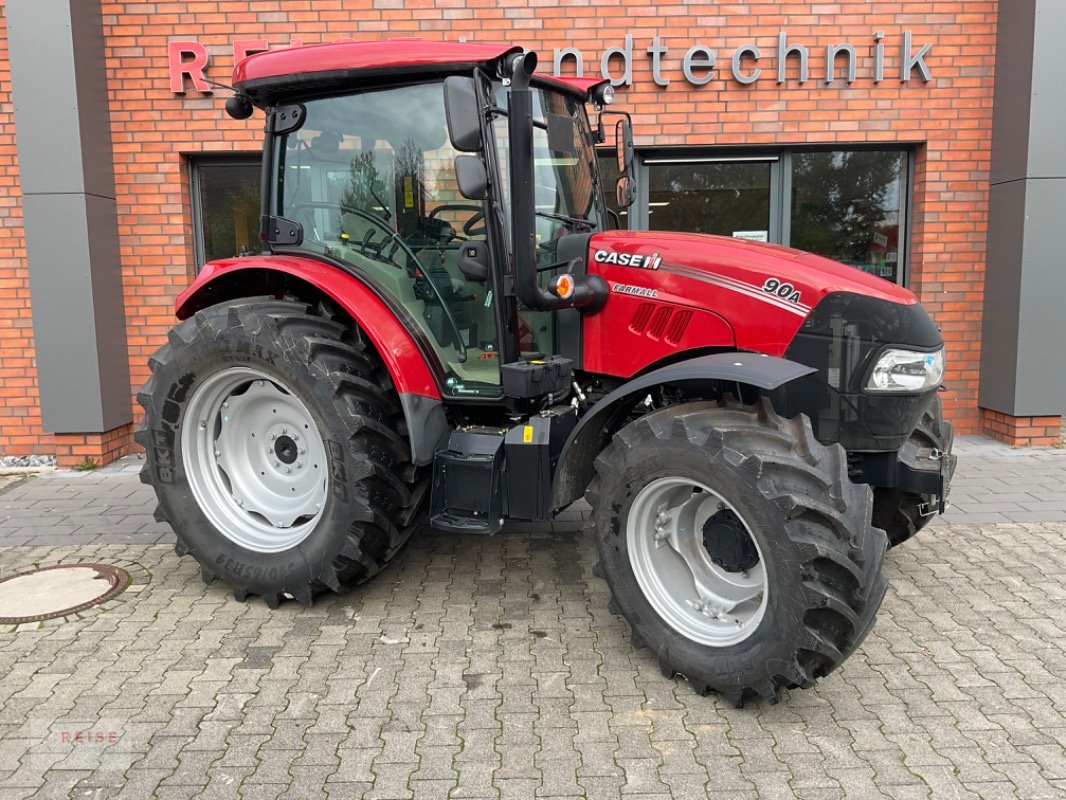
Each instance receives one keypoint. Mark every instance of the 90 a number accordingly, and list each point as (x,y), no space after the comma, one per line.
(781,289)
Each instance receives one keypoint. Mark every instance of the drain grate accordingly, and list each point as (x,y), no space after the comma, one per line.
(58,591)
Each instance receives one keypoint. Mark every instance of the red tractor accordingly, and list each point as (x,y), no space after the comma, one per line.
(448,325)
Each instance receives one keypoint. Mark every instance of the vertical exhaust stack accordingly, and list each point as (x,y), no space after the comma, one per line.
(583,291)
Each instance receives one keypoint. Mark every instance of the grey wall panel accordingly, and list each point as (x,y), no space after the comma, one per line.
(1023,370)
(1041,379)
(62,129)
(1047,157)
(999,336)
(109,317)
(94,120)
(63,313)
(1014,78)
(44,96)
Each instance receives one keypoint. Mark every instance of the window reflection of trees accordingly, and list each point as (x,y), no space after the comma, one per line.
(710,198)
(846,205)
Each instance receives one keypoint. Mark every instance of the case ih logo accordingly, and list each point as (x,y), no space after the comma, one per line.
(627,259)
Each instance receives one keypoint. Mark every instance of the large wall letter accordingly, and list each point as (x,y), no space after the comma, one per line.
(194,67)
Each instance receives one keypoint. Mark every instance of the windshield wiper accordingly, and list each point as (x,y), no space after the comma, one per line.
(564,218)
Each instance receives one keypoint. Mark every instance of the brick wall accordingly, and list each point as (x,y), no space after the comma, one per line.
(948,120)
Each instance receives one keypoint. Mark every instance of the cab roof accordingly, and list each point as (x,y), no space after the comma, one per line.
(293,69)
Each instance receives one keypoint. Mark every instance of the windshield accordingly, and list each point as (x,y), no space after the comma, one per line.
(568,199)
(370,178)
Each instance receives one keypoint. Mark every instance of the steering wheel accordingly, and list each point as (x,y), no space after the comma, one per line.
(469,229)
(414,267)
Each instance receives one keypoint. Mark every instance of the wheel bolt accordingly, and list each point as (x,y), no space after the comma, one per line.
(303,451)
(299,465)
(238,501)
(203,423)
(273,436)
(288,470)
(217,453)
(296,437)
(226,404)
(277,464)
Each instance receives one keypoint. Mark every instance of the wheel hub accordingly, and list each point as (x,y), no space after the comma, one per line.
(712,592)
(728,543)
(285,449)
(254,459)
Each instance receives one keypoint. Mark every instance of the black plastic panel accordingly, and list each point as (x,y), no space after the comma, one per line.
(842,339)
(468,483)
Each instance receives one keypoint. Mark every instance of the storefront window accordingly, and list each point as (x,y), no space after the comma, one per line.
(727,198)
(848,205)
(226,200)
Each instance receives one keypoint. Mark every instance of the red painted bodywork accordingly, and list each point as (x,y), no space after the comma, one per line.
(391,55)
(720,281)
(397,348)
(383,57)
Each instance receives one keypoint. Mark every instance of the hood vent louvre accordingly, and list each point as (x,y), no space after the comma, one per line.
(641,317)
(677,327)
(660,322)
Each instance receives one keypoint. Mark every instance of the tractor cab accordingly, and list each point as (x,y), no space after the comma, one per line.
(407,184)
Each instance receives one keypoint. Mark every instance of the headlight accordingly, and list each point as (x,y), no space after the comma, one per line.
(907,371)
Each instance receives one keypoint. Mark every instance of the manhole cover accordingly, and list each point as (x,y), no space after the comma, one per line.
(57,591)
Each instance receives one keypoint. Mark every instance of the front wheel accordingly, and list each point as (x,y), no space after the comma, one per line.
(272,440)
(736,547)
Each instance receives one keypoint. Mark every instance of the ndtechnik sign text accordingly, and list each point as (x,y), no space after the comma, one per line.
(879,59)
(747,63)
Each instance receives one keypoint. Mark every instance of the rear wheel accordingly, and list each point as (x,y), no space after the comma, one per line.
(272,440)
(736,547)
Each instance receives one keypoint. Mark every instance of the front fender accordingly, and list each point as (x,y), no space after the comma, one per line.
(588,438)
(411,374)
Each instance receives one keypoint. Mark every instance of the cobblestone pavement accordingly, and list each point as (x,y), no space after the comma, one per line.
(491,667)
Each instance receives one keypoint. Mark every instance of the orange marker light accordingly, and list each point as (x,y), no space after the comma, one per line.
(564,286)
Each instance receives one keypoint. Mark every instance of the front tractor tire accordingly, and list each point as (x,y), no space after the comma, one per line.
(273,441)
(736,547)
(902,514)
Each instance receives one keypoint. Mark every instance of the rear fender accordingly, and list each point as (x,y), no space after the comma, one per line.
(411,374)
(593,432)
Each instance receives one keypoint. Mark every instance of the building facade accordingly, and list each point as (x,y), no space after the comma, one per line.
(860,130)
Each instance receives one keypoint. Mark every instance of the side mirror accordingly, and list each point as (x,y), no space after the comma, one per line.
(474,261)
(623,145)
(463,114)
(625,191)
(472,177)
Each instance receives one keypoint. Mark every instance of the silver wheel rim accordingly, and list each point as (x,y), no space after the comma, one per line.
(696,597)
(254,460)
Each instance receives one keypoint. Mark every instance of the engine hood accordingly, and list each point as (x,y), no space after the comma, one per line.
(752,263)
(762,292)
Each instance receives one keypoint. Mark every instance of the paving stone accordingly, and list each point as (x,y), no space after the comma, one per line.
(507,677)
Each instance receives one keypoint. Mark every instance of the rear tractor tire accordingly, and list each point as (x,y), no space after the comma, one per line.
(736,547)
(273,441)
